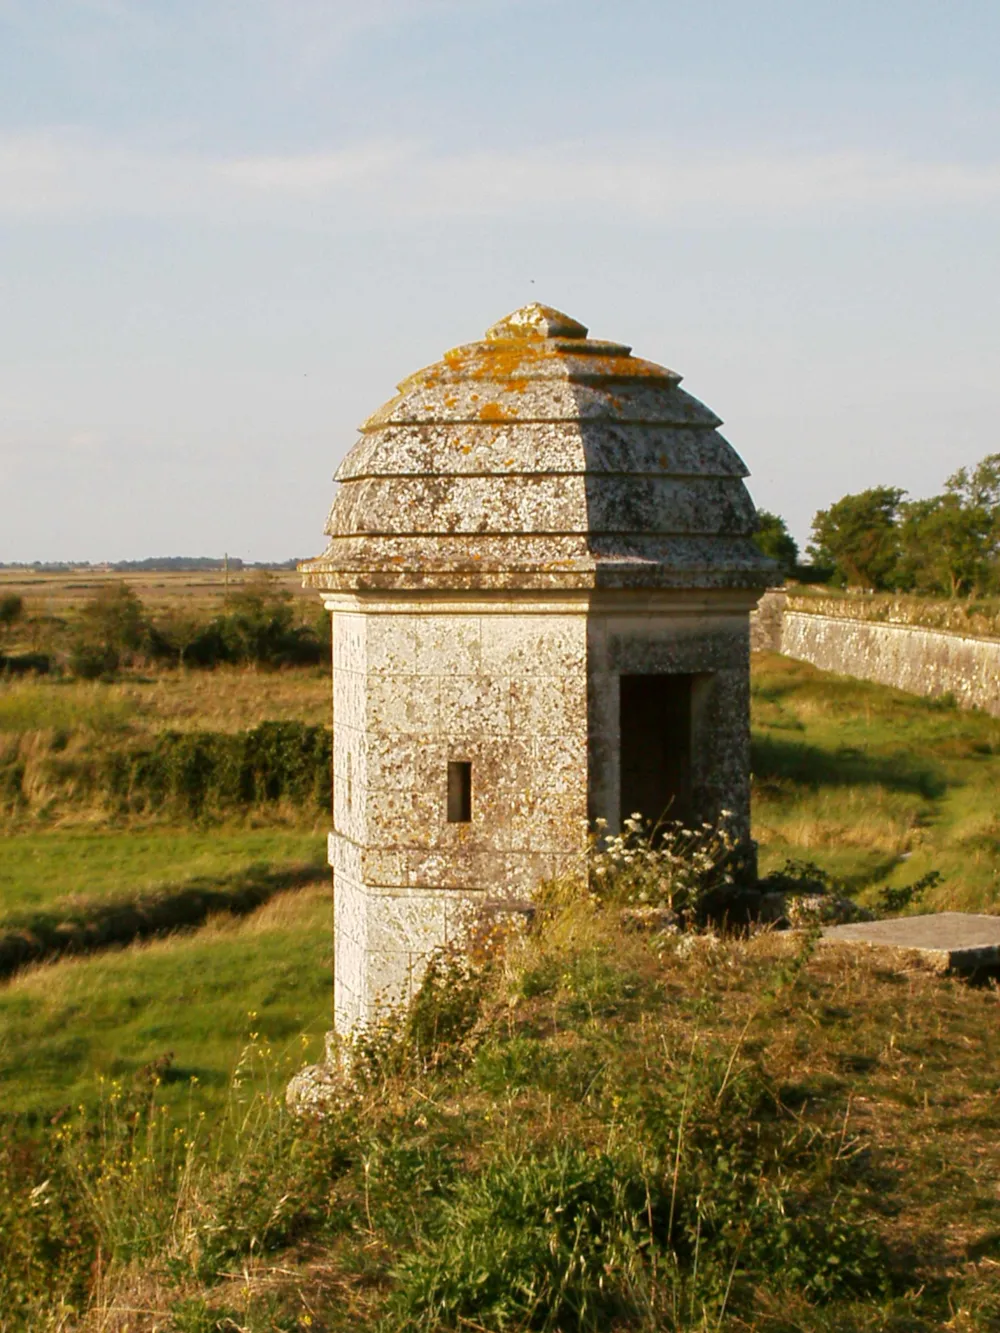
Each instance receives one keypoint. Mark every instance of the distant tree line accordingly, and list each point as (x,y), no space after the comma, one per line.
(155,564)
(945,546)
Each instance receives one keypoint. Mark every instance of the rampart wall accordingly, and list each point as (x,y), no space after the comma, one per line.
(922,661)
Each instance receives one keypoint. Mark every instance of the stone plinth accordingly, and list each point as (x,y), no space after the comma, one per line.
(943,941)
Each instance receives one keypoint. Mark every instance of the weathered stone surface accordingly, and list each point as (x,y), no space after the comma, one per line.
(528,520)
(314,1091)
(959,941)
(921,661)
(651,919)
(563,457)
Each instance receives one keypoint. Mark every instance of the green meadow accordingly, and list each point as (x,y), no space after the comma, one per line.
(74,866)
(187,1005)
(875,786)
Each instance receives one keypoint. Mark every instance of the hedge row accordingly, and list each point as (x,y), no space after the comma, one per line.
(210,770)
(180,773)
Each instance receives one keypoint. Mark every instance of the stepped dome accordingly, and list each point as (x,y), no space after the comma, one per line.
(540,458)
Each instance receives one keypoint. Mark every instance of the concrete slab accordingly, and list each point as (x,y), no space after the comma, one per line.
(944,941)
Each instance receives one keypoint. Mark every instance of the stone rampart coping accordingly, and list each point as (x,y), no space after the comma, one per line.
(944,941)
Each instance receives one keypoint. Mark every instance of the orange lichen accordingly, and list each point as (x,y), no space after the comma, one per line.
(494,412)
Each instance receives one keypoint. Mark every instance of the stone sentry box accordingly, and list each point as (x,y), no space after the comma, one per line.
(540,573)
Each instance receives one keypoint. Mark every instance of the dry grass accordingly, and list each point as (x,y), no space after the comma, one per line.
(203,592)
(893,1070)
(224,699)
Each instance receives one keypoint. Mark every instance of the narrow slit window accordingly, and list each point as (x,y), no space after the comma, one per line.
(459,791)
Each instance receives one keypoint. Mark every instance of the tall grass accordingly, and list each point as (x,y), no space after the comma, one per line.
(226,699)
(54,707)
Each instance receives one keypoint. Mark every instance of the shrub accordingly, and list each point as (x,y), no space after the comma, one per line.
(430,1030)
(260,629)
(278,1186)
(113,628)
(48,1241)
(11,611)
(91,660)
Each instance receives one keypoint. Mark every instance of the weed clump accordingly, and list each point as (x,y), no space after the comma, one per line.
(663,864)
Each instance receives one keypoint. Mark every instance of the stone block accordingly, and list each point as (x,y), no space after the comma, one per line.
(526,645)
(405,705)
(410,921)
(473,706)
(943,941)
(447,645)
(544,705)
(391,644)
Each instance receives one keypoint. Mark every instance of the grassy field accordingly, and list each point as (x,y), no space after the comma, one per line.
(226,699)
(68,1026)
(875,785)
(848,1110)
(62,868)
(51,596)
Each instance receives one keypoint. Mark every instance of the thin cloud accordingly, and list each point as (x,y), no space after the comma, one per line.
(68,174)
(313,173)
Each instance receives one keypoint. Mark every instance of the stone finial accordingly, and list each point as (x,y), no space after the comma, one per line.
(536,321)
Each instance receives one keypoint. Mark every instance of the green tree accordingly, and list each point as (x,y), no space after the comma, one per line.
(859,537)
(979,488)
(113,627)
(776,542)
(945,546)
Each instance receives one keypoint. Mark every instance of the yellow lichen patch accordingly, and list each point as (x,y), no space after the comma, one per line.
(494,412)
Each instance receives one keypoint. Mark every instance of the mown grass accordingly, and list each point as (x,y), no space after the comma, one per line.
(70,867)
(874,785)
(65,1027)
(592,1130)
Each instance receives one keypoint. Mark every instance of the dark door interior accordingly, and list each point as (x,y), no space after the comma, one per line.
(655,720)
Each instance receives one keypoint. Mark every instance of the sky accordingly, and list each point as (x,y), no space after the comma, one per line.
(228,228)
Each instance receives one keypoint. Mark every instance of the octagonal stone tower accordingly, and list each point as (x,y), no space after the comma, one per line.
(540,572)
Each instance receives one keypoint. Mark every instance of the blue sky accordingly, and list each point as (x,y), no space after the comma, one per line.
(228,228)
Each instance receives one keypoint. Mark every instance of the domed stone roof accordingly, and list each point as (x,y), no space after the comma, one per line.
(540,458)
